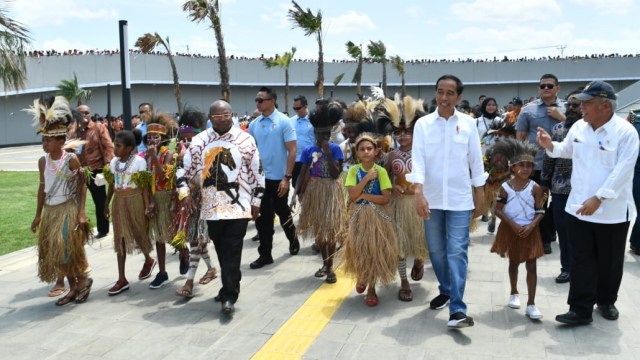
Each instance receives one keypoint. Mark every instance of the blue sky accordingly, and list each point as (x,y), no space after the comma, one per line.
(412,29)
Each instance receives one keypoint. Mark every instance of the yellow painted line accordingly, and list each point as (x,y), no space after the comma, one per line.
(295,337)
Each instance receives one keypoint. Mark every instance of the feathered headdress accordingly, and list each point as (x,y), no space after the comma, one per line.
(515,151)
(326,115)
(163,124)
(384,112)
(51,115)
(358,114)
(411,110)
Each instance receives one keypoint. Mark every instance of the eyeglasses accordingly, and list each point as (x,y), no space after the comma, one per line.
(547,86)
(259,100)
(225,116)
(297,108)
(85,112)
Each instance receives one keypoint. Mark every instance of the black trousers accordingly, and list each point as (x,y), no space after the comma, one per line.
(295,174)
(547,226)
(99,196)
(273,204)
(597,259)
(228,236)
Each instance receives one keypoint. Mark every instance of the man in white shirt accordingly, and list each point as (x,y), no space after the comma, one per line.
(604,149)
(449,176)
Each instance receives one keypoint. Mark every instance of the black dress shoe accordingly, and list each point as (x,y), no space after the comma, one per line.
(101,235)
(547,248)
(609,312)
(262,261)
(571,318)
(564,277)
(217,298)
(256,237)
(294,246)
(227,307)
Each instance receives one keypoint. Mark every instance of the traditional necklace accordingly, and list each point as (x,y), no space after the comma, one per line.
(54,166)
(126,166)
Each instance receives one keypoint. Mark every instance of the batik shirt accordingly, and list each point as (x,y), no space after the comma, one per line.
(228,166)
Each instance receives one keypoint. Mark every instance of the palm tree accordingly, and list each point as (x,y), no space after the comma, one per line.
(398,64)
(146,43)
(14,40)
(283,62)
(311,24)
(199,10)
(378,53)
(355,52)
(71,90)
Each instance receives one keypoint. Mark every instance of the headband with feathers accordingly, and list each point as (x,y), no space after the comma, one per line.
(326,115)
(515,151)
(51,115)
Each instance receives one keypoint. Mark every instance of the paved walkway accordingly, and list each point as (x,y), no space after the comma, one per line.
(156,324)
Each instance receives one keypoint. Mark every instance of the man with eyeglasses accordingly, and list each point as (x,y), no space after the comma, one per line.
(97,152)
(545,112)
(276,140)
(604,149)
(304,132)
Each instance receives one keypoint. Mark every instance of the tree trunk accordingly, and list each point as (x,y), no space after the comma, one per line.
(404,88)
(176,82)
(286,90)
(359,78)
(225,87)
(384,78)
(320,81)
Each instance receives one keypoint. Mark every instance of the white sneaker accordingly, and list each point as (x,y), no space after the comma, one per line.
(514,301)
(533,313)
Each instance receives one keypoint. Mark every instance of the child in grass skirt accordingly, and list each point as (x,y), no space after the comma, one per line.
(370,246)
(320,189)
(60,221)
(519,207)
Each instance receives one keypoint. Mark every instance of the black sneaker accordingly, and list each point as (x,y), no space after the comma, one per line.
(439,302)
(460,320)
(161,279)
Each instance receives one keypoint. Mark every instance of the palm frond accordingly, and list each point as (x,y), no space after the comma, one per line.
(197,10)
(305,19)
(354,50)
(378,51)
(14,41)
(148,42)
(398,64)
(337,80)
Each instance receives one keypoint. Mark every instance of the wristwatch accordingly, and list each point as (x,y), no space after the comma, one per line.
(289,177)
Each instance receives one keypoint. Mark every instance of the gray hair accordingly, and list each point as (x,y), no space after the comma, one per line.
(613,103)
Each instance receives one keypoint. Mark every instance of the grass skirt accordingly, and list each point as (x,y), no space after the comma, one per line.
(411,239)
(160,225)
(370,248)
(323,211)
(508,243)
(60,244)
(130,222)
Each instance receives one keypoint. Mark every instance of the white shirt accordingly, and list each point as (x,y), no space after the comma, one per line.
(447,160)
(603,163)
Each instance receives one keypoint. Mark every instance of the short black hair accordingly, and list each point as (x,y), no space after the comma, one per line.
(194,118)
(146,103)
(459,86)
(127,138)
(269,91)
(302,99)
(550,76)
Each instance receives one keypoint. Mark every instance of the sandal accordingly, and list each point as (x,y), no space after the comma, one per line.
(83,294)
(373,301)
(56,291)
(65,300)
(185,292)
(405,294)
(208,276)
(360,288)
(417,272)
(331,277)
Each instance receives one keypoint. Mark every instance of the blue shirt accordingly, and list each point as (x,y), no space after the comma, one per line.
(304,134)
(318,161)
(534,114)
(271,134)
(143,129)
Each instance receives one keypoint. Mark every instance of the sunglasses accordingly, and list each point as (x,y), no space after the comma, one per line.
(297,108)
(259,101)
(547,86)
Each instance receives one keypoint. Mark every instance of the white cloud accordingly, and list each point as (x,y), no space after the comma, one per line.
(413,11)
(276,15)
(40,13)
(348,23)
(619,7)
(488,11)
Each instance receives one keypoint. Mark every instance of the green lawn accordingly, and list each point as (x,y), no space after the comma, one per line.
(18,191)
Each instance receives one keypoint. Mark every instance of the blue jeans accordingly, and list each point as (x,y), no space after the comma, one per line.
(560,219)
(447,234)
